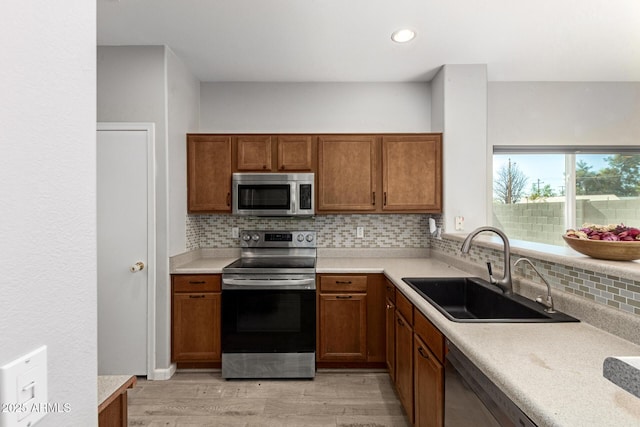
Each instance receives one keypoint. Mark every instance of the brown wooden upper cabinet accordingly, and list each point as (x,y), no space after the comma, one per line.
(355,173)
(347,173)
(352,169)
(412,173)
(209,173)
(274,153)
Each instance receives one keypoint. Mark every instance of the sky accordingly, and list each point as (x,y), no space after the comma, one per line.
(548,168)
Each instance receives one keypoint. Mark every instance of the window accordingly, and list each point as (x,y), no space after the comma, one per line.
(539,192)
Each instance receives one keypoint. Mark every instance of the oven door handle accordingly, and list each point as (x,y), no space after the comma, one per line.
(270,284)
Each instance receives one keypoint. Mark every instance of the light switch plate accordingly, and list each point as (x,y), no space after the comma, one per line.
(360,232)
(23,389)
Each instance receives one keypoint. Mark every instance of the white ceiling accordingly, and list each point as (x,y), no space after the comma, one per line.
(349,40)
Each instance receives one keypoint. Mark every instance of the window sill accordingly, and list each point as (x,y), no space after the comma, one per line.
(556,254)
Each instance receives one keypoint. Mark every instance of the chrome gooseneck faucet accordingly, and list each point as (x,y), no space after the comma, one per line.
(548,302)
(505,283)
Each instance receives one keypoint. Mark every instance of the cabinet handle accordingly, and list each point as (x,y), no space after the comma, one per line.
(228,199)
(264,166)
(344,296)
(373,198)
(385,198)
(422,353)
(389,288)
(283,167)
(400,322)
(197,282)
(389,306)
(342,282)
(196,296)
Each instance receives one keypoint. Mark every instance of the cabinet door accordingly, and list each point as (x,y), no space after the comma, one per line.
(343,327)
(196,327)
(390,316)
(209,173)
(404,363)
(347,171)
(295,153)
(254,153)
(376,344)
(429,387)
(412,173)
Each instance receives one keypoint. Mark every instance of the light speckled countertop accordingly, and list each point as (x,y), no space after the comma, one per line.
(111,386)
(552,371)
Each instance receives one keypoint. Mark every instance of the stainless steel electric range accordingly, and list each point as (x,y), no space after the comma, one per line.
(269,307)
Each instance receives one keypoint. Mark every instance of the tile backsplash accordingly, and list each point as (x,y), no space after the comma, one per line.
(334,231)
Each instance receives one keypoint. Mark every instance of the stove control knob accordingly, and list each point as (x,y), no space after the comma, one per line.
(246,237)
(255,237)
(309,237)
(300,237)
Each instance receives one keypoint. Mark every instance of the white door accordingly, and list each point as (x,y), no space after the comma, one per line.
(125,202)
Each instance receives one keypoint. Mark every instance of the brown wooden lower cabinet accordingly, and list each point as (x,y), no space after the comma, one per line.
(343,325)
(415,358)
(428,386)
(404,363)
(390,323)
(196,317)
(112,410)
(351,316)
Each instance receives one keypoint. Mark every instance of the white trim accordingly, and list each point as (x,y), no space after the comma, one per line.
(163,374)
(151,232)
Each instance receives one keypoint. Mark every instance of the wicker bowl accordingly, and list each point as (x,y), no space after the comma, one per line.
(604,249)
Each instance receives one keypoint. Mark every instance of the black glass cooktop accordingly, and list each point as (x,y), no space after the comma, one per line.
(273,262)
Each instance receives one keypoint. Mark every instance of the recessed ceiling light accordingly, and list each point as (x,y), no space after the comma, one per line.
(402,36)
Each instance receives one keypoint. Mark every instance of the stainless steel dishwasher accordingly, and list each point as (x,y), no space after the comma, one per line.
(471,399)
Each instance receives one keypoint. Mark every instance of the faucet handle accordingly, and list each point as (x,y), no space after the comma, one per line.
(490,270)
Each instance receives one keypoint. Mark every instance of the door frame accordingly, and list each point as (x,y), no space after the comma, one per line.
(149,128)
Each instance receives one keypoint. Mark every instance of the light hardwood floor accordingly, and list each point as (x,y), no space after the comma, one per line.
(333,398)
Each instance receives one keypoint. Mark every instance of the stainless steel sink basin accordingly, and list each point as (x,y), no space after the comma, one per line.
(471,299)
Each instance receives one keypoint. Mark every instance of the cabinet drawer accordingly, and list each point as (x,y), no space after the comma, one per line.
(431,336)
(343,283)
(405,307)
(390,291)
(196,283)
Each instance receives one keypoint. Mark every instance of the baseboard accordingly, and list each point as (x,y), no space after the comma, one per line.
(164,374)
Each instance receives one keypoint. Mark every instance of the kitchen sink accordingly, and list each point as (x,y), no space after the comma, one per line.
(474,300)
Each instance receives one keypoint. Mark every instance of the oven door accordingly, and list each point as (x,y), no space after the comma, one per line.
(268,321)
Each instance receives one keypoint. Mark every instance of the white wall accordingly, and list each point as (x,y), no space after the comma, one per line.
(132,87)
(47,188)
(460,112)
(563,113)
(183,102)
(315,107)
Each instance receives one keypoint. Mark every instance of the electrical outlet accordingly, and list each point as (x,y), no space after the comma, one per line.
(360,232)
(459,223)
(235,232)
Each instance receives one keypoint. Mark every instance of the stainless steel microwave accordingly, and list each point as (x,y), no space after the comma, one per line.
(273,194)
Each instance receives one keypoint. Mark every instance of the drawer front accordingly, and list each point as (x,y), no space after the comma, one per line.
(343,283)
(390,290)
(431,336)
(405,307)
(196,282)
